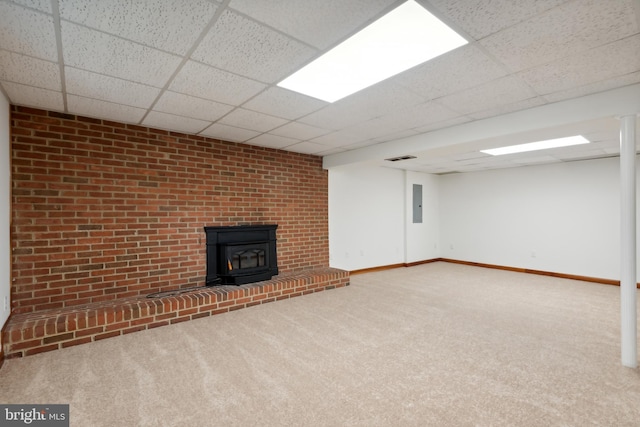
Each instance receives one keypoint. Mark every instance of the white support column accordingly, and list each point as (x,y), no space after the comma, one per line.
(628,313)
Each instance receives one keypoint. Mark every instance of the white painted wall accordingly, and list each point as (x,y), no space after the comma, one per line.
(366,217)
(562,218)
(422,239)
(5,211)
(370,217)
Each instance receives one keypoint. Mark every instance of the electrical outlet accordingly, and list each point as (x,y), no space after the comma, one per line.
(6,303)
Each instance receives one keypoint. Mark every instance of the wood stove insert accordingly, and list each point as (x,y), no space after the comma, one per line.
(241,254)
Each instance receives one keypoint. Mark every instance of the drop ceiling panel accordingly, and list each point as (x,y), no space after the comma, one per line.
(599,86)
(284,103)
(172,26)
(252,120)
(27,32)
(395,135)
(334,117)
(451,73)
(417,116)
(319,23)
(111,89)
(581,154)
(377,100)
(190,106)
(532,160)
(229,133)
(41,5)
(299,130)
(481,18)
(105,54)
(563,31)
(380,99)
(503,91)
(29,95)
(160,120)
(614,60)
(443,124)
(509,108)
(273,141)
(104,110)
(339,139)
(183,65)
(242,46)
(216,85)
(307,147)
(29,71)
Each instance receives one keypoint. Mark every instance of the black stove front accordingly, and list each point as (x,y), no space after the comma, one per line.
(241,254)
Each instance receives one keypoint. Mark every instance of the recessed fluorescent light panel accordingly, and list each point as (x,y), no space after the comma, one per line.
(540,145)
(405,37)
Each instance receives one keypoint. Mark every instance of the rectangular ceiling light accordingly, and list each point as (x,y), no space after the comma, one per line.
(540,145)
(405,37)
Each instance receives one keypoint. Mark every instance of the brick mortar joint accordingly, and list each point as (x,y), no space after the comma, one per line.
(141,307)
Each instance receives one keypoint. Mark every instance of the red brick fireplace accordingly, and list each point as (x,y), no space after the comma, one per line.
(106,212)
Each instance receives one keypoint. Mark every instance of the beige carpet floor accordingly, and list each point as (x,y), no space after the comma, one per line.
(434,345)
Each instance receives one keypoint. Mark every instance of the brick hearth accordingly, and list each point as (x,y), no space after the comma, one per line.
(46,330)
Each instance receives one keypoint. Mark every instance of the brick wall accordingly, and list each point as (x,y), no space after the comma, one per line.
(105,210)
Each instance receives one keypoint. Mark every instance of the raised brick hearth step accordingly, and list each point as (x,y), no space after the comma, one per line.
(37,332)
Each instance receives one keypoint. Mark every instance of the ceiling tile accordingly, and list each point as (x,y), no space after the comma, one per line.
(600,86)
(573,27)
(27,31)
(479,18)
(34,97)
(284,103)
(395,135)
(190,106)
(111,89)
(471,155)
(416,116)
(341,138)
(452,72)
(529,160)
(383,98)
(104,110)
(242,46)
(334,117)
(307,148)
(175,123)
(210,83)
(29,71)
(320,23)
(506,90)
(377,100)
(602,139)
(444,124)
(272,141)
(509,108)
(299,131)
(228,133)
(105,54)
(41,5)
(172,26)
(331,150)
(252,120)
(602,63)
(374,128)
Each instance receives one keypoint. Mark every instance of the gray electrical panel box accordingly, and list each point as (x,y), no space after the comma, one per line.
(417,203)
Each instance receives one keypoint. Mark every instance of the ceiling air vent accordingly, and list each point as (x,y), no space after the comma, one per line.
(397,159)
